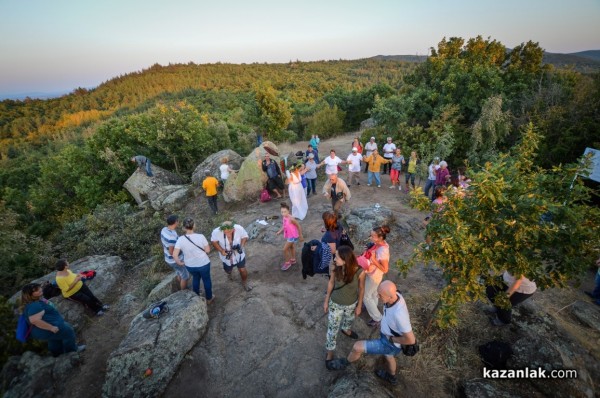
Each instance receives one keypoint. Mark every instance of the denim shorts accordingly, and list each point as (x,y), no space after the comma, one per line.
(182,272)
(292,240)
(229,268)
(381,347)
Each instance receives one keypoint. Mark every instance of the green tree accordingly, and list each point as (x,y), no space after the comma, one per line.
(514,217)
(327,122)
(275,113)
(488,131)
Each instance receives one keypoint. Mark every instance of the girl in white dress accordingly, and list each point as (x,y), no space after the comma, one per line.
(296,191)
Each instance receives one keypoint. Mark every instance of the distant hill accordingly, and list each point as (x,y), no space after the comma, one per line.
(591,54)
(34,95)
(404,58)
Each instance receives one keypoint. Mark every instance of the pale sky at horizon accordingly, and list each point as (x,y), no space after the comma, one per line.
(59,45)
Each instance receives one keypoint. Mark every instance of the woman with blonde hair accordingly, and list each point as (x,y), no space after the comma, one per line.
(225,169)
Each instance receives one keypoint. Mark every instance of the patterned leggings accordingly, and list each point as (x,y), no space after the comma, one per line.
(340,317)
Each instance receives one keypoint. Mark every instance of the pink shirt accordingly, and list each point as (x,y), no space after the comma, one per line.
(289,229)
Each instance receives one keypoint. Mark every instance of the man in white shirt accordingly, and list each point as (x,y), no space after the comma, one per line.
(396,331)
(353,161)
(388,152)
(229,239)
(331,163)
(369,148)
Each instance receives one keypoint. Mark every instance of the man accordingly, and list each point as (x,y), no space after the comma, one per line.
(313,151)
(431,172)
(353,161)
(374,163)
(369,148)
(274,180)
(210,186)
(229,239)
(331,163)
(143,162)
(336,189)
(395,332)
(595,294)
(388,152)
(168,238)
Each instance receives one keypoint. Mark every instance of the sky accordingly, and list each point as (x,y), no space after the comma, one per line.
(49,46)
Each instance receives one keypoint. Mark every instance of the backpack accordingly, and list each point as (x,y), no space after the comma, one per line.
(23,329)
(265,196)
(345,240)
(156,309)
(315,261)
(50,290)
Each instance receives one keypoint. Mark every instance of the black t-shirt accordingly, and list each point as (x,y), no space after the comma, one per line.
(333,236)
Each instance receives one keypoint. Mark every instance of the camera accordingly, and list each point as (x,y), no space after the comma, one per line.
(228,254)
(238,248)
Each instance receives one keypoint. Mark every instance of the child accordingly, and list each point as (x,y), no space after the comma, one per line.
(292,232)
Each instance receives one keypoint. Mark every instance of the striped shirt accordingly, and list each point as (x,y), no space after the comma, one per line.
(168,238)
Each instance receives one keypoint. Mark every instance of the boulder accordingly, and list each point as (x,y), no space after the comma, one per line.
(368,124)
(483,388)
(127,307)
(141,187)
(169,197)
(359,385)
(587,314)
(157,344)
(163,289)
(32,375)
(108,270)
(213,162)
(247,183)
(362,220)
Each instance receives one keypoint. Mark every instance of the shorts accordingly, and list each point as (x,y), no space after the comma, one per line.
(292,240)
(381,347)
(229,268)
(182,272)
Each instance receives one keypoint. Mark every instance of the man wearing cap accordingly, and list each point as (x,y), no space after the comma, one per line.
(388,152)
(311,174)
(229,239)
(431,172)
(354,160)
(168,238)
(369,148)
(210,185)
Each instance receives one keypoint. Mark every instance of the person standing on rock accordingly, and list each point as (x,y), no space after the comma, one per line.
(211,186)
(143,163)
(73,288)
(395,332)
(396,169)
(379,261)
(229,239)
(411,171)
(225,169)
(331,163)
(314,142)
(344,297)
(168,238)
(195,250)
(336,189)
(431,173)
(310,150)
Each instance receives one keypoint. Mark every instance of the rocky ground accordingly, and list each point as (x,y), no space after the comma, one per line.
(270,341)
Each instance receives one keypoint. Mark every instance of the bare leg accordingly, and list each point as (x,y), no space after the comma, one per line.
(357,350)
(391,362)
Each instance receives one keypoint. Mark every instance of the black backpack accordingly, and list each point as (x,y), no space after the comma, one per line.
(50,290)
(315,261)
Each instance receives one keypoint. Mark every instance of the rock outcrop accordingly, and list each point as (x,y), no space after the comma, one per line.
(359,385)
(31,375)
(157,344)
(165,190)
(368,124)
(213,162)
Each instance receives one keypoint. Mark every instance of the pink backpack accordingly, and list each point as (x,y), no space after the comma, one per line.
(264,195)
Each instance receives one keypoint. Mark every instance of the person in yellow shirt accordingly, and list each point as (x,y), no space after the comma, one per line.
(210,185)
(73,288)
(374,162)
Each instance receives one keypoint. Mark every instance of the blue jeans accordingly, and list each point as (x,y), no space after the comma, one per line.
(60,342)
(149,168)
(311,185)
(428,185)
(596,292)
(381,346)
(370,178)
(204,274)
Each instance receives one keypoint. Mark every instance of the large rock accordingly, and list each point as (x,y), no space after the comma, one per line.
(368,124)
(164,188)
(31,375)
(587,314)
(213,162)
(163,289)
(483,388)
(247,183)
(108,270)
(158,344)
(359,385)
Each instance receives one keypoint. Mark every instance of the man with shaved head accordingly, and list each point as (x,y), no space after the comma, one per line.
(395,332)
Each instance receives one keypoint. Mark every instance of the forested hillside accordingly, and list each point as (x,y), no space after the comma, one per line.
(63,158)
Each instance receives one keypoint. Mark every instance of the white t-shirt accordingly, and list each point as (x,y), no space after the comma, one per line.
(331,164)
(432,168)
(396,318)
(388,150)
(527,286)
(354,160)
(224,171)
(192,255)
(239,233)
(370,147)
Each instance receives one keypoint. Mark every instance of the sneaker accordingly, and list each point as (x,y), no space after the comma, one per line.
(392,187)
(100,313)
(373,323)
(399,187)
(105,307)
(211,300)
(378,186)
(368,185)
(81,348)
(247,287)
(286,266)
(336,364)
(390,378)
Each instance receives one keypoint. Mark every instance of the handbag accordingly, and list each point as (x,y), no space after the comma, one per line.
(364,259)
(345,240)
(303,181)
(264,195)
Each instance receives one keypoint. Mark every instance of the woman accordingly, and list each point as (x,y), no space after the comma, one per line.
(380,260)
(195,250)
(343,300)
(356,144)
(397,162)
(311,174)
(274,181)
(517,290)
(413,161)
(46,323)
(225,169)
(333,231)
(73,288)
(296,191)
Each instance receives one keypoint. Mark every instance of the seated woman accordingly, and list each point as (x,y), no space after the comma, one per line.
(46,323)
(73,288)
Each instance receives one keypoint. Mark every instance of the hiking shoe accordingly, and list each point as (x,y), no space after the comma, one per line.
(105,307)
(378,186)
(100,313)
(336,364)
(358,183)
(81,348)
(247,287)
(286,266)
(373,323)
(399,187)
(392,187)
(211,300)
(382,374)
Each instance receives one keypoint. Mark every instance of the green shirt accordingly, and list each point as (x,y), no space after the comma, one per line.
(346,293)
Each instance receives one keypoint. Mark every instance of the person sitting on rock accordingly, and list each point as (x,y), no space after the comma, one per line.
(229,239)
(395,331)
(73,288)
(274,180)
(143,163)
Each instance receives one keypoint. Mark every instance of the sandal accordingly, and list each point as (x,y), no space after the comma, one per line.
(286,266)
(351,335)
(382,374)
